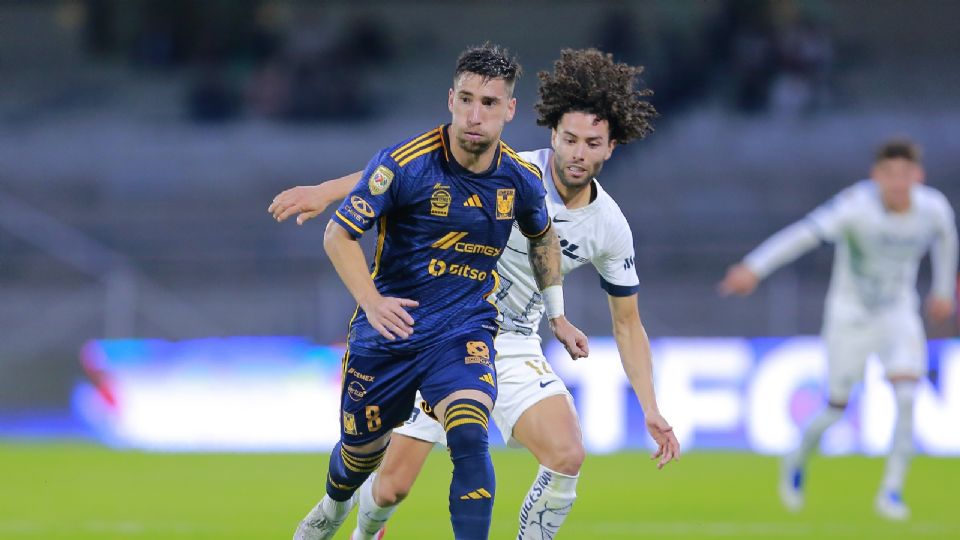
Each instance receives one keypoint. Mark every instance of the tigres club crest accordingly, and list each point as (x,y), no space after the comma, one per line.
(380,180)
(505,203)
(349,424)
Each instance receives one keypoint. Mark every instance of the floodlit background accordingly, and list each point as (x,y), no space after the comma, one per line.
(148,301)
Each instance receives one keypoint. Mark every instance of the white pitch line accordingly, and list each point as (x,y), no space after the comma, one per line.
(763,530)
(715,529)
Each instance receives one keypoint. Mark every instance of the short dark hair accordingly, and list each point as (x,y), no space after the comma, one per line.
(589,81)
(490,61)
(899,149)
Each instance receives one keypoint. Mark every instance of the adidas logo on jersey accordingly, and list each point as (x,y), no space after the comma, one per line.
(473,201)
(476,495)
(488,378)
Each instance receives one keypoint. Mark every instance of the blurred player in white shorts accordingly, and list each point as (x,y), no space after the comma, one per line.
(882,228)
(896,336)
(591,105)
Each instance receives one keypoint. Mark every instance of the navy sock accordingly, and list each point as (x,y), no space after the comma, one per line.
(348,470)
(474,485)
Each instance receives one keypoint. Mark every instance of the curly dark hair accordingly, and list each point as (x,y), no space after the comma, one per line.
(901,148)
(490,61)
(589,81)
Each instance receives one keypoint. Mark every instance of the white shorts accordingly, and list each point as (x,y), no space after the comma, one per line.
(524,377)
(895,336)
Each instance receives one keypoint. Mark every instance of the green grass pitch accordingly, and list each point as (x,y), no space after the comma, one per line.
(81,492)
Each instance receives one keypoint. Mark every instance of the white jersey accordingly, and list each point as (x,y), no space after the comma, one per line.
(597,233)
(878,252)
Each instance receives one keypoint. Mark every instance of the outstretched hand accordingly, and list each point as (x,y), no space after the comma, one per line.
(939,309)
(668,447)
(739,280)
(305,202)
(571,337)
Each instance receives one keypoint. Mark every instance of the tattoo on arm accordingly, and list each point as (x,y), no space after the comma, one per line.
(544,255)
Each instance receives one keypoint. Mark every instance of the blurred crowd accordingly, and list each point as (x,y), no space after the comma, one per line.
(247,58)
(781,60)
(268,59)
(757,56)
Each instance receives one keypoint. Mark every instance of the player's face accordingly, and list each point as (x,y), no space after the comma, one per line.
(894,178)
(480,108)
(581,143)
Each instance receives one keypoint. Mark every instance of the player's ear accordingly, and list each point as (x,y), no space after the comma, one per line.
(450,100)
(610,147)
(511,108)
(921,174)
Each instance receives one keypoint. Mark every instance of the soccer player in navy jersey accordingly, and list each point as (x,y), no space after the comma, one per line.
(592,104)
(444,203)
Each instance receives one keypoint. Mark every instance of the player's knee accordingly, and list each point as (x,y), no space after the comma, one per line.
(390,490)
(465,422)
(566,459)
(465,437)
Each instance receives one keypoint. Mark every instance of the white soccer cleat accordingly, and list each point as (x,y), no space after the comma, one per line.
(317,525)
(890,506)
(791,486)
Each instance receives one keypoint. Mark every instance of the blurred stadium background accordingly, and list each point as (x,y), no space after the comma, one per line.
(149,303)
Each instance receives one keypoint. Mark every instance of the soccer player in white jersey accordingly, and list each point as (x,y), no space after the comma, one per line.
(881,228)
(590,103)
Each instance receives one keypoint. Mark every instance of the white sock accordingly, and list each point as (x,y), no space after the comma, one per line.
(547,504)
(335,510)
(813,432)
(901,450)
(370,517)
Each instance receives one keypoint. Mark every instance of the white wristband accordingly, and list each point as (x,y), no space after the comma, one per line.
(553,301)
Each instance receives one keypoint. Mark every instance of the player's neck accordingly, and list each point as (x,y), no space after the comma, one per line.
(898,209)
(897,206)
(572,197)
(475,163)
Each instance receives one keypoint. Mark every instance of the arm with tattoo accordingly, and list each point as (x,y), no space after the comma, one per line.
(544,255)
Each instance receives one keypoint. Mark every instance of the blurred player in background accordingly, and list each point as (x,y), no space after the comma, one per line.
(881,228)
(591,104)
(415,192)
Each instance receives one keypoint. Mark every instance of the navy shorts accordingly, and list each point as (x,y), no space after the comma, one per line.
(378,390)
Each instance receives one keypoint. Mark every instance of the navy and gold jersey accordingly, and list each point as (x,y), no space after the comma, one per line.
(441,230)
